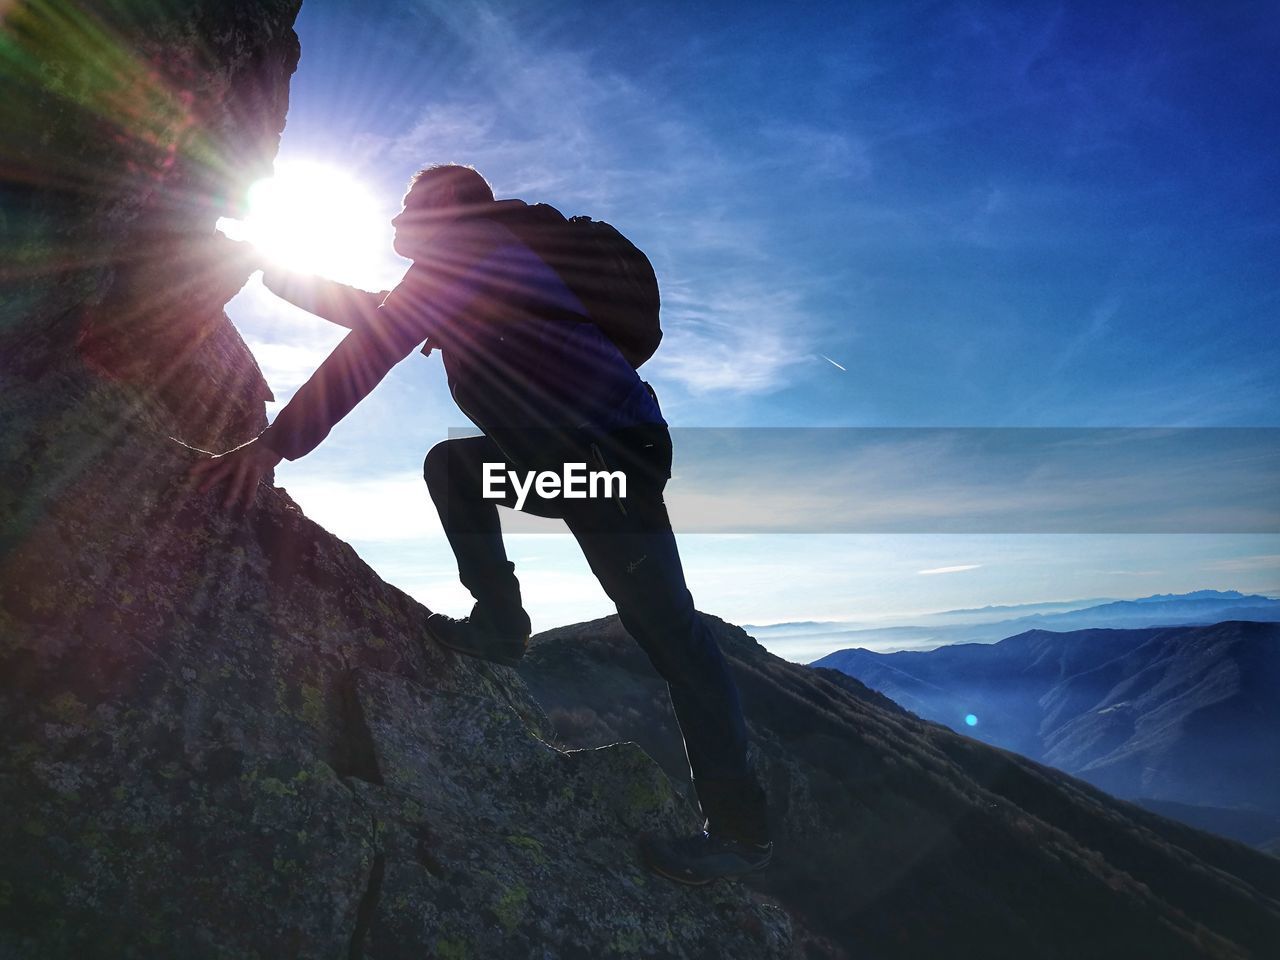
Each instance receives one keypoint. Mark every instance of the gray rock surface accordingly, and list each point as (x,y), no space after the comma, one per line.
(223,734)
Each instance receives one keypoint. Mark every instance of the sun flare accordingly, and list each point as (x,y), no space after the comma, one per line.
(319,219)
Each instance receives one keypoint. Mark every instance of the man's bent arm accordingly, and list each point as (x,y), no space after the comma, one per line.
(430,299)
(328,299)
(346,376)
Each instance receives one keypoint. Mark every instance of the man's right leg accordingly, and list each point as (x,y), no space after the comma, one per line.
(453,471)
(635,558)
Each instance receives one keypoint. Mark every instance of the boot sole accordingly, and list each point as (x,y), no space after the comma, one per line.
(686,881)
(476,655)
(692,882)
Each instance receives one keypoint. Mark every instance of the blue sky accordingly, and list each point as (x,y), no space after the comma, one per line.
(991,215)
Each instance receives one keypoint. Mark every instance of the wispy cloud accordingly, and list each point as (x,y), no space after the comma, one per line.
(820,152)
(958,568)
(740,338)
(1093,331)
(1264,561)
(977,480)
(287,366)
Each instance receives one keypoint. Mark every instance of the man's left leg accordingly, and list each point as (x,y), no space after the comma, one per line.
(498,627)
(634,556)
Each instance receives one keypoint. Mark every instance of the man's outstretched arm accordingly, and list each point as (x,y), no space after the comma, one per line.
(346,376)
(336,302)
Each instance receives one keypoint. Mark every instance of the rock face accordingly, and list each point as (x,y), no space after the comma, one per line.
(898,838)
(223,735)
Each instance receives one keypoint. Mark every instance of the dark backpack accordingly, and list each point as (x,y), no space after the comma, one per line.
(606,271)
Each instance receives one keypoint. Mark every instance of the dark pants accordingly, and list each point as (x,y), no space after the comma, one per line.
(633,555)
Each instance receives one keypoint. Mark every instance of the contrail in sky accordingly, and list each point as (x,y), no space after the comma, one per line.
(832,362)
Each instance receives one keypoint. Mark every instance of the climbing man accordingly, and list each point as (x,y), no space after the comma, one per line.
(550,392)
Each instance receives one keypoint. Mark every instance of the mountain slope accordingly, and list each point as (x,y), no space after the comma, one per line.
(899,838)
(1187,715)
(809,641)
(1258,829)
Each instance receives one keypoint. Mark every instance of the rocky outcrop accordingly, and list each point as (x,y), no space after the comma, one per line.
(223,734)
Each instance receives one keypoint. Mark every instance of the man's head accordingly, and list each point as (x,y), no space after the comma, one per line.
(437,194)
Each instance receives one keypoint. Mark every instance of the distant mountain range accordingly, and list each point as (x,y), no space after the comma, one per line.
(898,838)
(1166,715)
(805,641)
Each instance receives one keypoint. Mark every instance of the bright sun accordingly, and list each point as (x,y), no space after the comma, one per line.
(318,219)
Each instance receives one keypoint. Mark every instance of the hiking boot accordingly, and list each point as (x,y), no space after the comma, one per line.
(701,858)
(474,637)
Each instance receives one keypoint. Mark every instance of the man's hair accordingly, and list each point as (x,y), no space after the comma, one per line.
(468,185)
